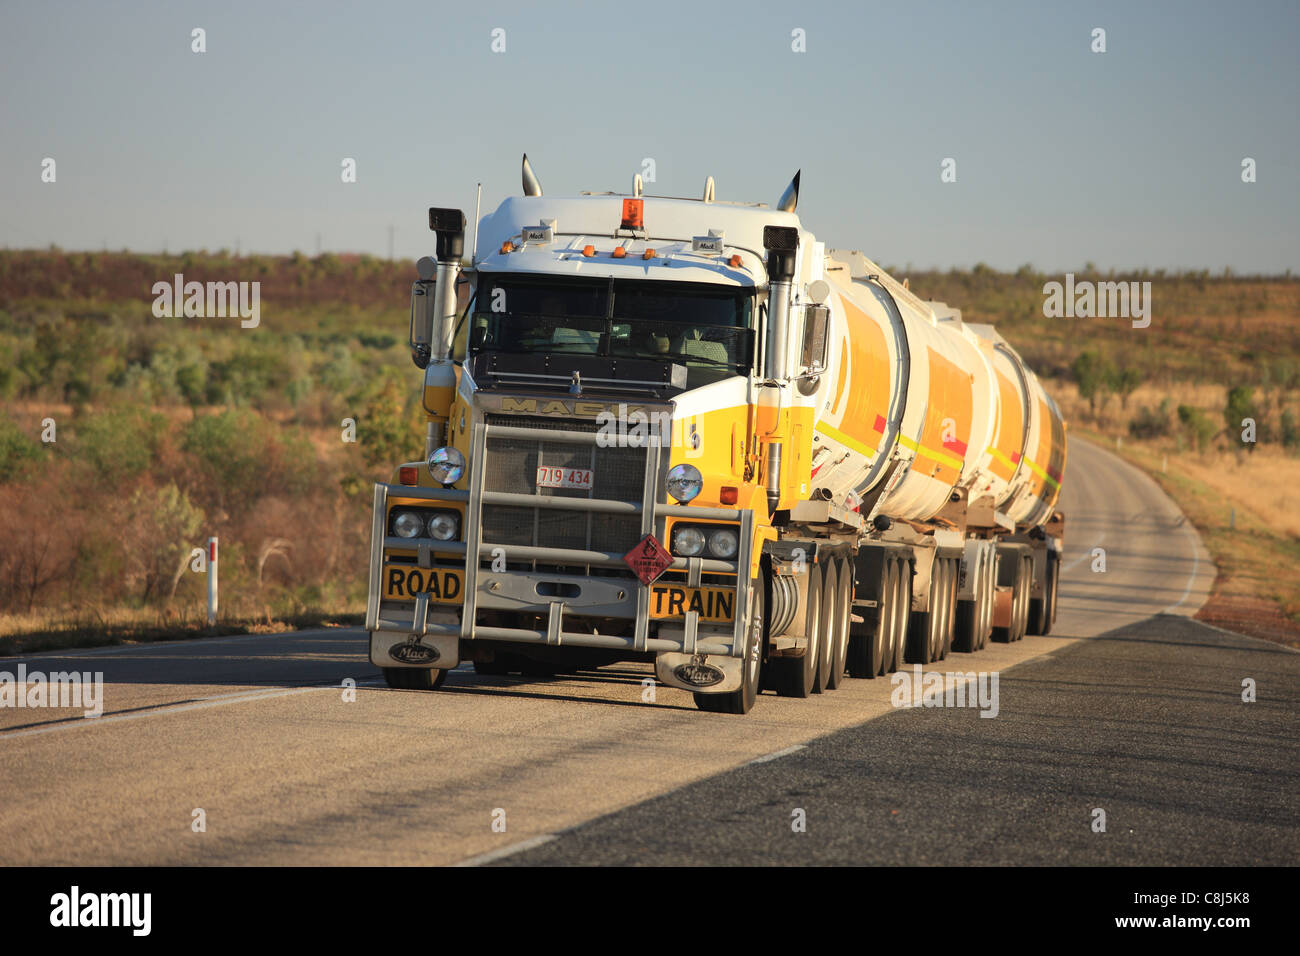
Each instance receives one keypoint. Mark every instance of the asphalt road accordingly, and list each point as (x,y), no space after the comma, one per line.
(288,768)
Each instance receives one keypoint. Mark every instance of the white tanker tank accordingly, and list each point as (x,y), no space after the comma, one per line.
(920,403)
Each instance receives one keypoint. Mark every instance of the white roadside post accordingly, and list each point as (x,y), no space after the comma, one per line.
(212,581)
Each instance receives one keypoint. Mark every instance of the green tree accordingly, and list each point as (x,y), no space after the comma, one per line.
(1240,406)
(17,451)
(1093,374)
(1123,381)
(1198,426)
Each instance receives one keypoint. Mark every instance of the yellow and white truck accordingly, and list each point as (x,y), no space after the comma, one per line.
(682,431)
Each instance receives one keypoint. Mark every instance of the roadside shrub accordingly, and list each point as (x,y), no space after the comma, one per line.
(1151,422)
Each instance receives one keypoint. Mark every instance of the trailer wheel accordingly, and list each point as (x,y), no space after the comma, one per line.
(1042,611)
(829,627)
(902,614)
(414,678)
(1022,609)
(843,610)
(948,623)
(866,650)
(795,676)
(966,640)
(924,631)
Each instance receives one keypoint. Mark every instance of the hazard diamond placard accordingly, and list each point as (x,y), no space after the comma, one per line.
(648,559)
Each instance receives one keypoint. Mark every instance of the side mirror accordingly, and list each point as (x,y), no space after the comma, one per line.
(421,332)
(815,324)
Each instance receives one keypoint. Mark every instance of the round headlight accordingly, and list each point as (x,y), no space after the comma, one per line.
(688,542)
(444,525)
(723,544)
(446,465)
(685,482)
(408,524)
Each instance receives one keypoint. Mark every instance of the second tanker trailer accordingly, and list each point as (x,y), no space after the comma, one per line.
(685,432)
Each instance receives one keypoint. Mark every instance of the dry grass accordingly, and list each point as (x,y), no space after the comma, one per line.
(1245,507)
(95,627)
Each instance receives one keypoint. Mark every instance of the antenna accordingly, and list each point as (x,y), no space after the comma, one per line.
(636,185)
(708,189)
(473,243)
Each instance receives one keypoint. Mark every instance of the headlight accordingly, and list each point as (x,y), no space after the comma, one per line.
(685,482)
(724,543)
(408,524)
(446,465)
(444,525)
(688,542)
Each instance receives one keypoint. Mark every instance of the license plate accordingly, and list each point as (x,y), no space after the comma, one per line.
(550,476)
(712,604)
(402,582)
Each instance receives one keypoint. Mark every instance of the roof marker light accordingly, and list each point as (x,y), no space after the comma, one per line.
(619,252)
(507,246)
(588,251)
(648,254)
(734,261)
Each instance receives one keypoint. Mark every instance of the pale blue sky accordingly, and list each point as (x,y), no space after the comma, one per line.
(1128,158)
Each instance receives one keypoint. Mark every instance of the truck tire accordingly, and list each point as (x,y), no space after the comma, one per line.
(1010,570)
(949,624)
(795,676)
(1026,571)
(829,626)
(924,628)
(414,678)
(741,700)
(867,648)
(902,614)
(843,609)
(1042,611)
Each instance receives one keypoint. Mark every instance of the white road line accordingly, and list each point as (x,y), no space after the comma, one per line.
(1191,578)
(776,756)
(504,852)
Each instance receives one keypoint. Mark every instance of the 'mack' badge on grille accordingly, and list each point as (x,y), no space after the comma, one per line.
(648,559)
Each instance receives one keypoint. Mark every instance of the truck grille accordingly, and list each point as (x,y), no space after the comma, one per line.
(511,466)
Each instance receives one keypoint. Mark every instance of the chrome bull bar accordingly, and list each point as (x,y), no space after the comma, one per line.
(651,512)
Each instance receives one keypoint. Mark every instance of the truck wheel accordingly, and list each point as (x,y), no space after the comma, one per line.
(966,640)
(843,609)
(795,676)
(1009,575)
(902,613)
(948,625)
(923,631)
(1042,610)
(741,701)
(1020,623)
(414,678)
(866,657)
(829,626)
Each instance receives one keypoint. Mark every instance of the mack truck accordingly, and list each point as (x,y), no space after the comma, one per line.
(682,431)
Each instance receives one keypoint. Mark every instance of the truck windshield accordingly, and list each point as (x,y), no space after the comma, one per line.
(703,327)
